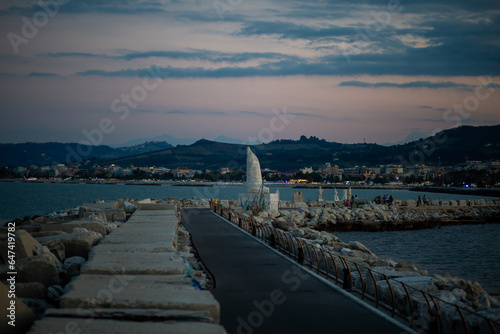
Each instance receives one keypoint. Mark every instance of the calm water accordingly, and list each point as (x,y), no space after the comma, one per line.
(21,199)
(470,252)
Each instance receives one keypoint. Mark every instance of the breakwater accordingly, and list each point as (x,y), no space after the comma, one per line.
(489,192)
(124,265)
(368,216)
(432,302)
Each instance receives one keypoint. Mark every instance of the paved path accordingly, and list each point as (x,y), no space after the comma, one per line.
(260,291)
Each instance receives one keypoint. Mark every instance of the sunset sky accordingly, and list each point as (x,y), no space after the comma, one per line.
(346,71)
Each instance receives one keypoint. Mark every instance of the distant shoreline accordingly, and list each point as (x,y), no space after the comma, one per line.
(487,192)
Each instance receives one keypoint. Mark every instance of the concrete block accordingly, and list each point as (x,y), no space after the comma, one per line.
(40,268)
(57,248)
(68,227)
(75,244)
(137,263)
(163,212)
(138,292)
(151,247)
(25,244)
(124,314)
(23,316)
(156,206)
(153,219)
(164,235)
(83,326)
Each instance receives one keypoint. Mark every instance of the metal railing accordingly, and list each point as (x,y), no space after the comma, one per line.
(367,282)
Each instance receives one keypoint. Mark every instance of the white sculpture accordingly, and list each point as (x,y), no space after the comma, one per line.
(254,178)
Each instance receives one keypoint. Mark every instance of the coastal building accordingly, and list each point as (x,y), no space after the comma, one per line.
(329,170)
(180,172)
(307,170)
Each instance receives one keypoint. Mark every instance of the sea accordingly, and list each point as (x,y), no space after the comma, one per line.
(467,251)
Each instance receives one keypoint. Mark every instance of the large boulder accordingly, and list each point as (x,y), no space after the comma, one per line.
(284,224)
(34,290)
(76,243)
(95,226)
(22,316)
(40,268)
(356,245)
(57,248)
(25,246)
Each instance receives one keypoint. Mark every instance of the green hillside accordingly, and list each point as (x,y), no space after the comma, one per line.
(448,148)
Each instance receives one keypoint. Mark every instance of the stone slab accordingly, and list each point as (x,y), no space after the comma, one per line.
(84,326)
(135,263)
(131,314)
(156,206)
(166,236)
(146,227)
(138,292)
(153,219)
(150,247)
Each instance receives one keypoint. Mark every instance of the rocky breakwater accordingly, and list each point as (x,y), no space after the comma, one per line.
(380,217)
(46,252)
(124,266)
(480,309)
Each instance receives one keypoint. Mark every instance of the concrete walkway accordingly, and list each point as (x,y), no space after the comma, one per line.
(260,291)
(135,282)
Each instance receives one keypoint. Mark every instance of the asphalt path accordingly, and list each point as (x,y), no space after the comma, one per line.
(260,291)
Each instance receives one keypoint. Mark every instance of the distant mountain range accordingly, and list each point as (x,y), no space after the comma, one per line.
(448,147)
(177,141)
(52,153)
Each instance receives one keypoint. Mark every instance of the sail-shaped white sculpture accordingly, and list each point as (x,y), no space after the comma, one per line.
(256,194)
(254,177)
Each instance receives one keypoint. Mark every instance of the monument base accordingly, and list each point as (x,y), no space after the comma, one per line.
(266,201)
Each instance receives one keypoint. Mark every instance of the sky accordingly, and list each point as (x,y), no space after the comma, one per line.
(107,72)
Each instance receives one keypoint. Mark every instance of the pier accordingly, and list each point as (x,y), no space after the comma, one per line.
(150,266)
(261,291)
(135,281)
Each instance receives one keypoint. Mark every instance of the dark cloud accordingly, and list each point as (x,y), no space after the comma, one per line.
(91,6)
(39,74)
(413,84)
(252,113)
(75,54)
(442,39)
(293,31)
(200,55)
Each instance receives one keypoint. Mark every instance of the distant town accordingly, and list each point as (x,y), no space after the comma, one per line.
(471,174)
